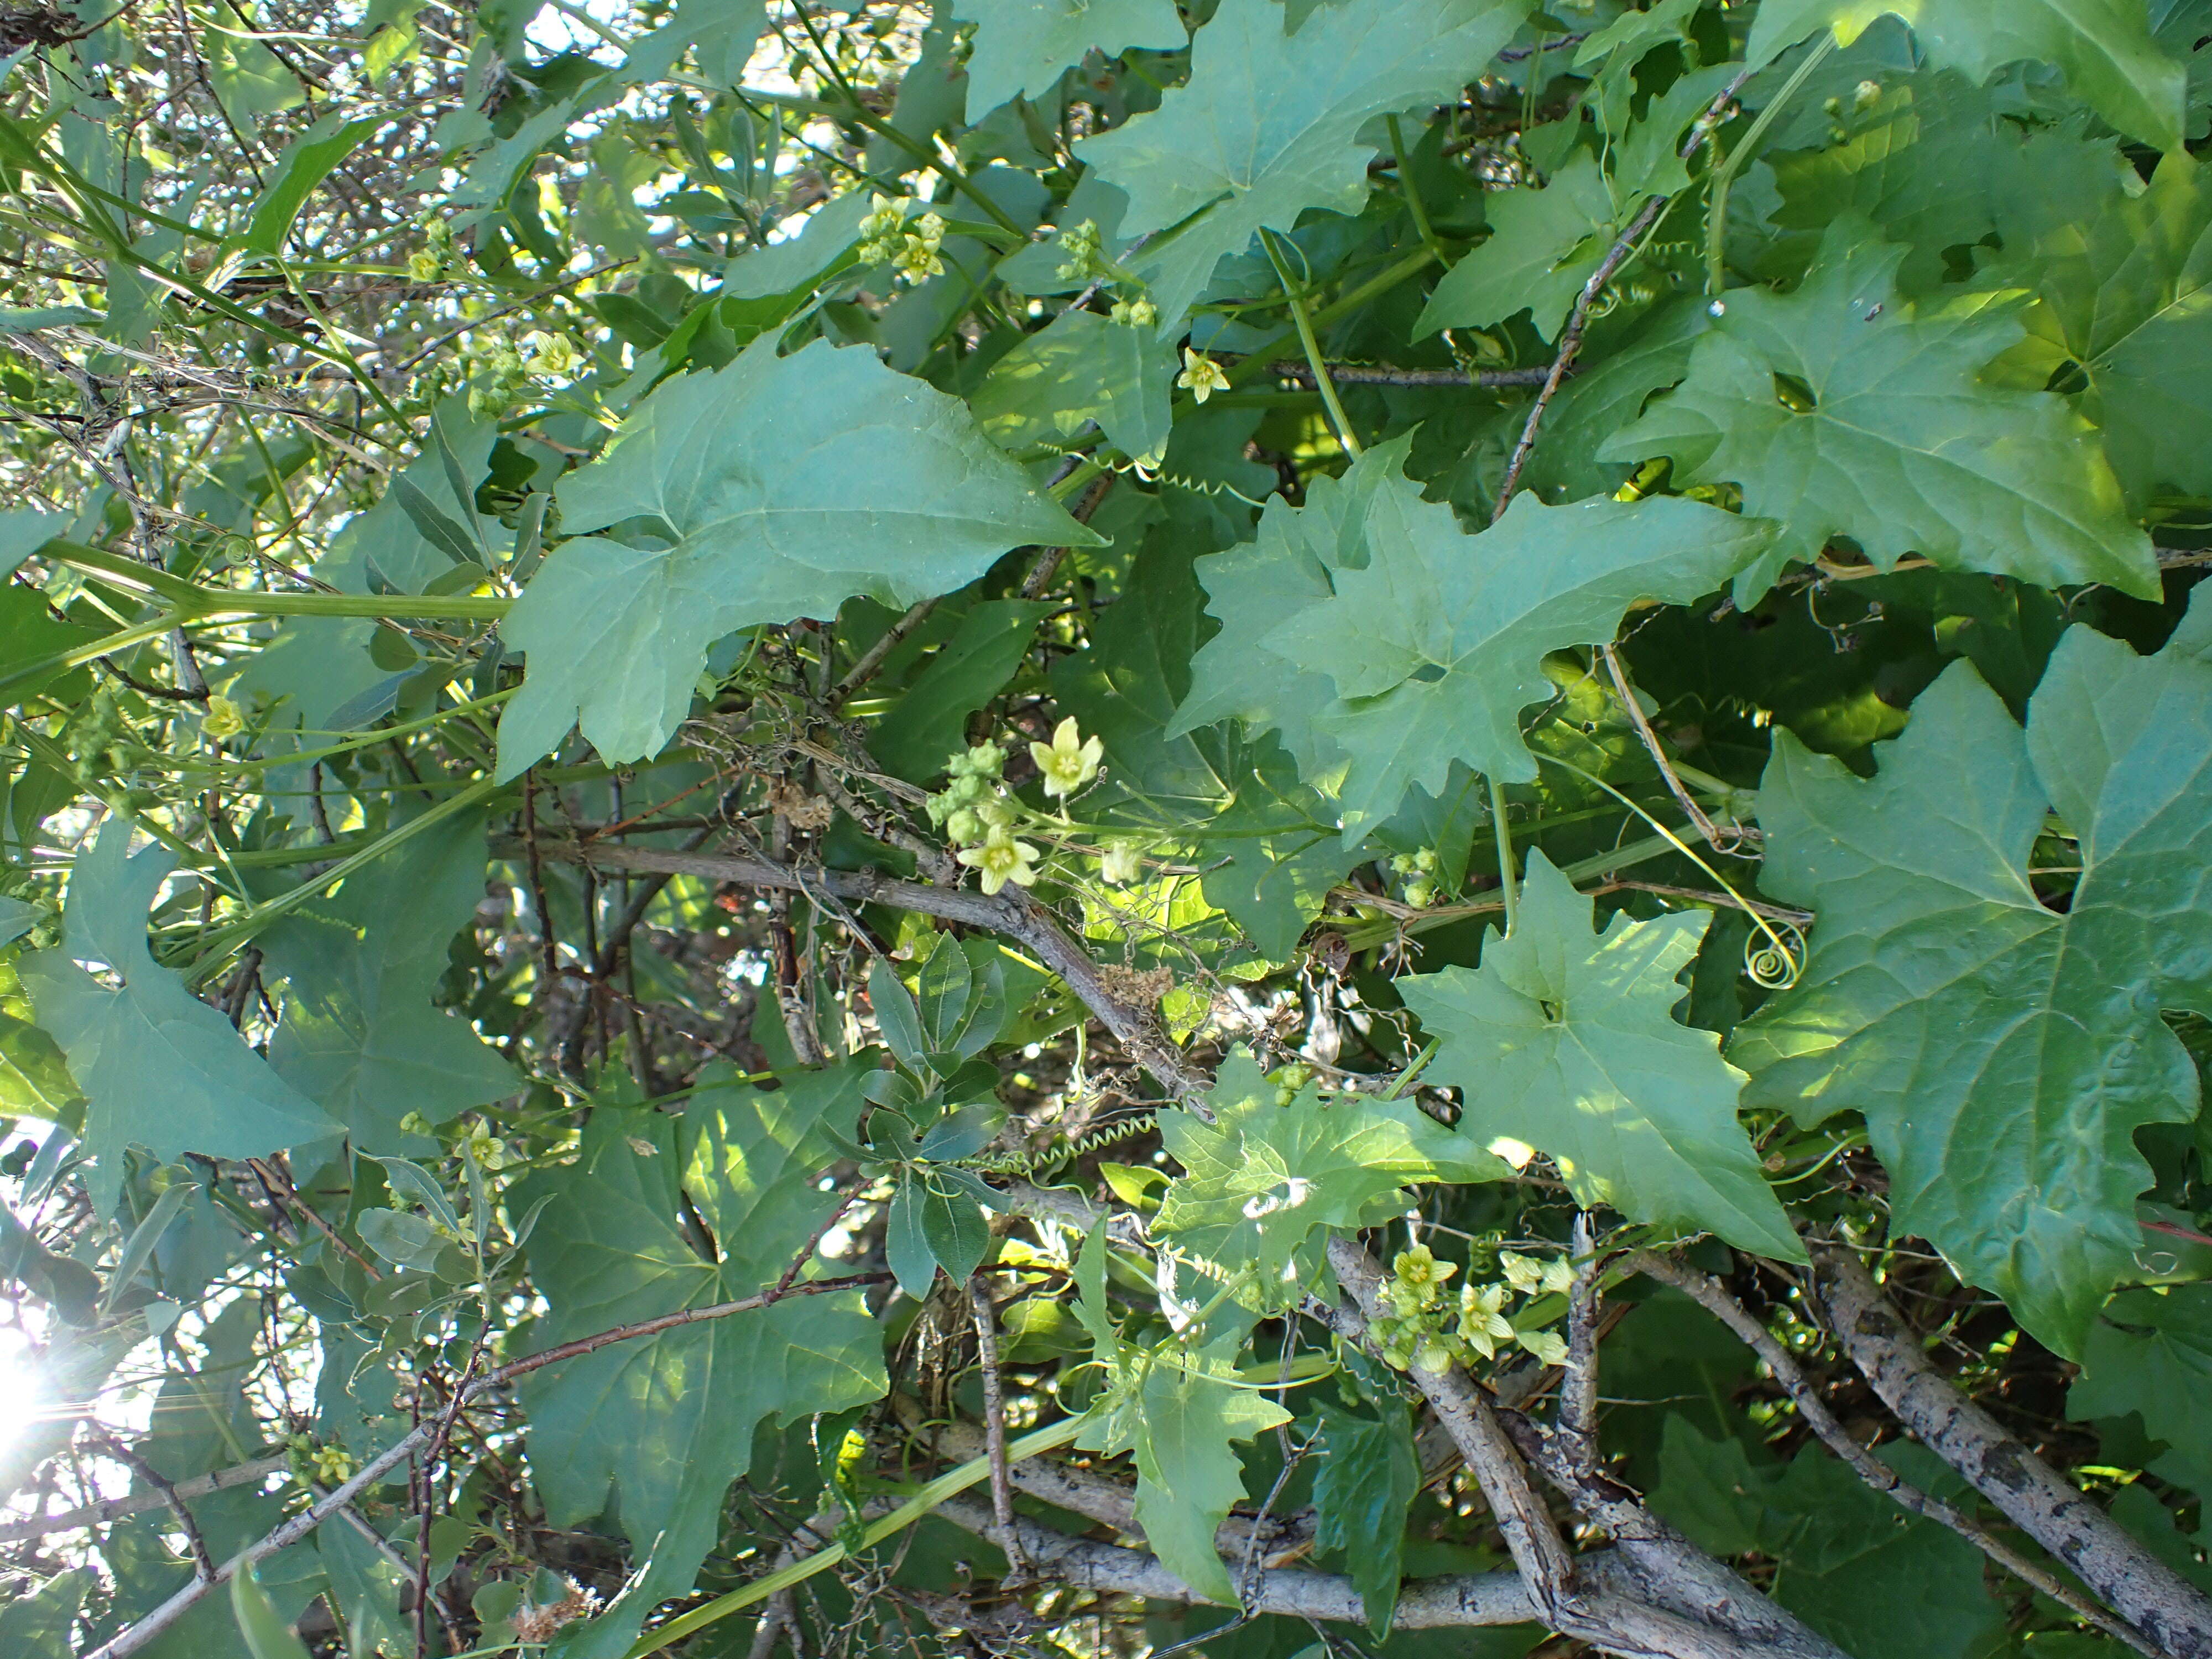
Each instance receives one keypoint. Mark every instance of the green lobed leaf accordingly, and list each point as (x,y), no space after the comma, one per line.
(1564,1041)
(668,1421)
(158,1067)
(2004,1052)
(1543,245)
(1266,127)
(1263,1176)
(1023,46)
(1181,1417)
(360,1036)
(1079,369)
(1270,850)
(2104,47)
(1432,640)
(1888,434)
(1933,162)
(753,471)
(2127,299)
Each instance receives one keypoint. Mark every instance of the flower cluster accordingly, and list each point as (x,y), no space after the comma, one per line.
(1138,312)
(427,263)
(320,1465)
(886,240)
(1427,1327)
(978,816)
(1418,870)
(1086,255)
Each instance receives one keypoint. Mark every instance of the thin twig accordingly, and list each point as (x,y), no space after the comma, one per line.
(1720,840)
(1383,374)
(1571,337)
(1805,1395)
(1578,1386)
(115,1509)
(137,1636)
(994,1426)
(1010,913)
(872,658)
(165,1489)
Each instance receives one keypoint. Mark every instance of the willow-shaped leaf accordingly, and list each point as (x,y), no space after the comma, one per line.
(668,1420)
(1266,126)
(2104,47)
(1566,1041)
(2005,1054)
(158,1067)
(776,487)
(1842,410)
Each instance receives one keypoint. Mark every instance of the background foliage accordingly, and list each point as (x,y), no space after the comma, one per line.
(1272,827)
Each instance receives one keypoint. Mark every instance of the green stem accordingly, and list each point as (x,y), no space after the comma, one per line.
(1502,828)
(951,1483)
(923,153)
(1724,174)
(1415,1070)
(1382,283)
(1414,205)
(56,662)
(195,603)
(219,948)
(1323,383)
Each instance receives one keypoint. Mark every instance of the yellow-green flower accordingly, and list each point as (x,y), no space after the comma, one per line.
(1001,859)
(223,719)
(1201,376)
(1068,762)
(1119,863)
(1482,1322)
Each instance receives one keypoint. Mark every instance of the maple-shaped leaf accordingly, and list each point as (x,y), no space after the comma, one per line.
(2104,47)
(158,1067)
(1263,1177)
(1023,47)
(1565,1041)
(2127,298)
(1933,162)
(1181,1415)
(668,1421)
(1842,409)
(2004,1053)
(1266,126)
(360,1036)
(1543,245)
(1432,639)
(747,504)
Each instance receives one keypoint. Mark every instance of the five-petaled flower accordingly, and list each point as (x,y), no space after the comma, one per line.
(1002,858)
(1201,376)
(1068,762)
